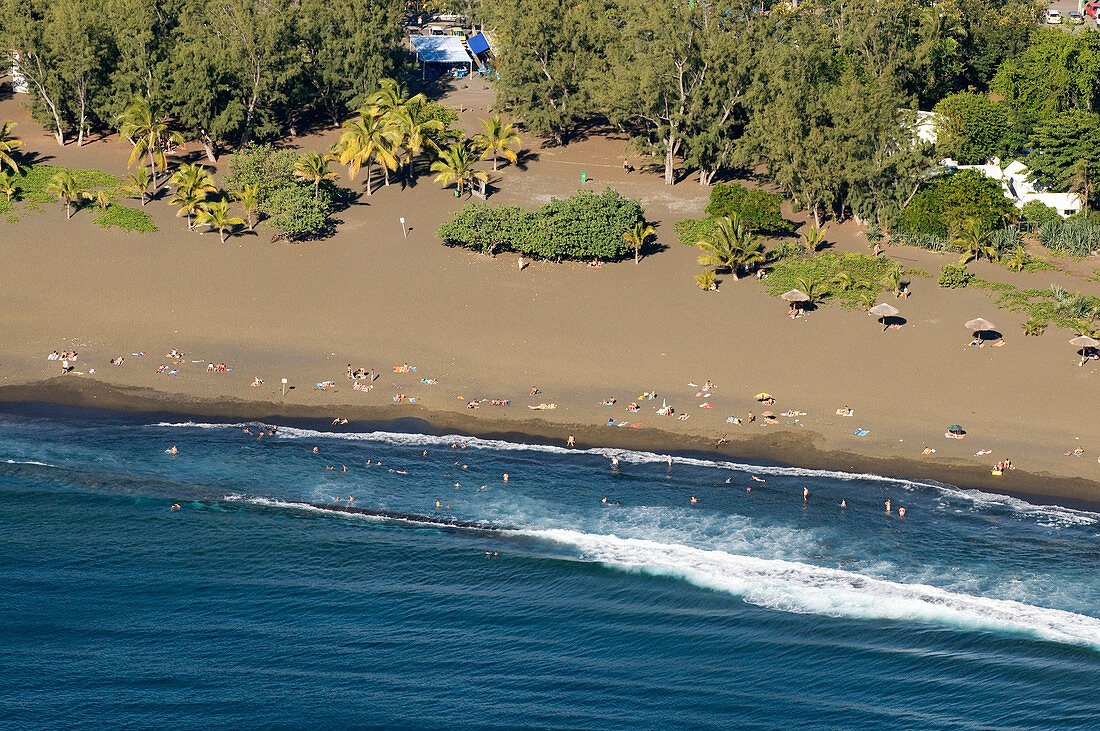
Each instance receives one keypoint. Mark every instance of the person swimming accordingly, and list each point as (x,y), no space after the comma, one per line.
(172,450)
(694,500)
(758,479)
(887,506)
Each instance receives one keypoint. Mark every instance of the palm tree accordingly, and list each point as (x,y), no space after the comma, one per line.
(846,282)
(1034,326)
(732,246)
(1084,327)
(638,237)
(137,183)
(367,139)
(892,278)
(706,281)
(1019,259)
(811,286)
(454,166)
(249,196)
(415,132)
(145,125)
(972,238)
(188,201)
(8,184)
(313,168)
(868,298)
(216,215)
(390,98)
(8,144)
(496,140)
(102,198)
(193,179)
(65,187)
(813,238)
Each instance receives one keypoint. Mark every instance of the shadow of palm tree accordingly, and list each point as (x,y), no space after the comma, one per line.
(524,158)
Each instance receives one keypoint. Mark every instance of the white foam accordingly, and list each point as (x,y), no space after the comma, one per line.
(29,461)
(802,588)
(1052,514)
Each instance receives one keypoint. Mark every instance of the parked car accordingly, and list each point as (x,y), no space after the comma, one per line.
(1075,17)
(1054,17)
(1092,9)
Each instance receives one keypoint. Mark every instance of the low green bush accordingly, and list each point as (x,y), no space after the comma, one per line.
(1038,212)
(758,208)
(954,276)
(691,231)
(584,226)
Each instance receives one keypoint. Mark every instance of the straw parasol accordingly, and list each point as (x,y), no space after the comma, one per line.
(1084,341)
(955,429)
(882,312)
(795,295)
(980,324)
(763,396)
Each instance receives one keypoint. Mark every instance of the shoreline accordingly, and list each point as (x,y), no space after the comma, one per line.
(774,449)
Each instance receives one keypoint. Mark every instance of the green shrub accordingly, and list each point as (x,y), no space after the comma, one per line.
(946,202)
(953,276)
(758,208)
(583,226)
(124,217)
(263,166)
(1038,212)
(35,178)
(788,250)
(293,210)
(1076,237)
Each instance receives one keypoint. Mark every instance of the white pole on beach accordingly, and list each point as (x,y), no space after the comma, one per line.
(284,388)
(403,229)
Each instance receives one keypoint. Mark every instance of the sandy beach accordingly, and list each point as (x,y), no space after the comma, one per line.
(483,329)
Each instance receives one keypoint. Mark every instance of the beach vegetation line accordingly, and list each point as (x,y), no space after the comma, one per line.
(848,278)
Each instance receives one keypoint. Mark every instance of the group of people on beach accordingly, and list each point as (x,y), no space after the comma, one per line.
(360,374)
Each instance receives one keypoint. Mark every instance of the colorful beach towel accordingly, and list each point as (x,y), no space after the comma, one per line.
(862,432)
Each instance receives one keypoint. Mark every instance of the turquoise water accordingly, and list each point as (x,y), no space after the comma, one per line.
(250,606)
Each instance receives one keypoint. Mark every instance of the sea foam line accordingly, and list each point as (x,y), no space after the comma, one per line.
(805,589)
(792,586)
(978,498)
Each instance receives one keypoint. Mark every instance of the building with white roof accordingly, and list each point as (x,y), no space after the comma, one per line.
(1014,180)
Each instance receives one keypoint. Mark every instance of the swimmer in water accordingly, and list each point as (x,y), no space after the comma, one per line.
(614,461)
(887,506)
(345,468)
(728,479)
(457,485)
(843,503)
(505,478)
(693,500)
(172,450)
(424,453)
(315,450)
(758,479)
(901,512)
(805,494)
(350,499)
(176,506)
(438,505)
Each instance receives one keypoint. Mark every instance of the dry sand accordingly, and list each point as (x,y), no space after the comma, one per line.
(483,329)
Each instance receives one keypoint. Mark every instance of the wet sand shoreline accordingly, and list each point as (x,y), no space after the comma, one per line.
(783,449)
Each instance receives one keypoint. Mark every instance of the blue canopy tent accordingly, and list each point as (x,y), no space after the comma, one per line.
(479,44)
(445,50)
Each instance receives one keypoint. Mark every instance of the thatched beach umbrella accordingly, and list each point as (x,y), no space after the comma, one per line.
(980,324)
(1084,341)
(795,295)
(882,312)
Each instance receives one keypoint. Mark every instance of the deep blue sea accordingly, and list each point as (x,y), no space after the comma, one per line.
(248,606)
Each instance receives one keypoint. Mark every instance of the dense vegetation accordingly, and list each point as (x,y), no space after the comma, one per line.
(226,71)
(759,210)
(812,95)
(584,226)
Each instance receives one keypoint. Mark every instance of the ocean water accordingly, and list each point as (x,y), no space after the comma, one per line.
(255,605)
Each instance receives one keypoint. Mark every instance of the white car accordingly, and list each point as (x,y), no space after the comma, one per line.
(1076,18)
(1054,17)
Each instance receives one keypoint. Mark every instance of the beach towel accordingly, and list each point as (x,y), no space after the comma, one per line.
(137,353)
(610,422)
(174,371)
(706,406)
(635,425)
(622,423)
(732,420)
(862,432)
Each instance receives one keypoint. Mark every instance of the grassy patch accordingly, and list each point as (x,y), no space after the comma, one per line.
(124,217)
(35,178)
(1042,305)
(6,206)
(691,231)
(916,272)
(824,270)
